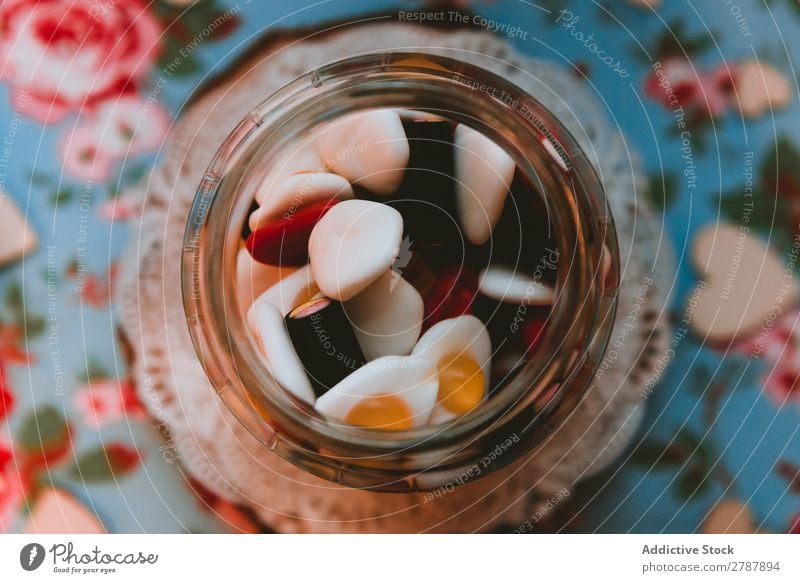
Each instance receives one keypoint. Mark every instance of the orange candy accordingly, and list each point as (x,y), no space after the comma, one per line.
(386,412)
(461,383)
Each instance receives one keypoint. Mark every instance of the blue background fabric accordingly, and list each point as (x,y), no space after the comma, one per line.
(720,425)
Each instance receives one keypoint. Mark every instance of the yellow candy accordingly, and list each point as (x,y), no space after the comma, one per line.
(461,383)
(381,412)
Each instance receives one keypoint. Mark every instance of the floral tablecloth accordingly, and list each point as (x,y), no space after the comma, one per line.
(705,92)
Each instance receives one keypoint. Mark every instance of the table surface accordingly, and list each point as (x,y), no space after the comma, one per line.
(721,425)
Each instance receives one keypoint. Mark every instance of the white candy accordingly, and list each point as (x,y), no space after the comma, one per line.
(287,294)
(253,278)
(507,285)
(279,355)
(456,336)
(303,160)
(18,238)
(484,172)
(297,191)
(387,316)
(412,379)
(369,148)
(441,415)
(463,335)
(353,245)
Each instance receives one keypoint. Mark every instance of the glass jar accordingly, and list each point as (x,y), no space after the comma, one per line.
(542,392)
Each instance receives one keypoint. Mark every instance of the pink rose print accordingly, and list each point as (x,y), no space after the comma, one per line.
(12,338)
(122,458)
(95,289)
(12,486)
(780,349)
(750,86)
(118,129)
(108,401)
(784,384)
(66,55)
(123,207)
(679,83)
(6,396)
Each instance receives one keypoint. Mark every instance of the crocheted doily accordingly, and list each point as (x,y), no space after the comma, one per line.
(214,448)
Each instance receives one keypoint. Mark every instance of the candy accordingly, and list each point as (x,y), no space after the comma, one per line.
(461,383)
(371,396)
(369,148)
(288,293)
(464,334)
(415,270)
(451,295)
(508,323)
(409,222)
(387,316)
(516,330)
(387,412)
(325,342)
(285,241)
(523,234)
(301,160)
(353,245)
(484,172)
(426,198)
(254,278)
(279,355)
(458,346)
(509,285)
(246,227)
(298,191)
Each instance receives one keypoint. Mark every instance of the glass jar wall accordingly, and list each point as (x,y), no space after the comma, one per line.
(483,272)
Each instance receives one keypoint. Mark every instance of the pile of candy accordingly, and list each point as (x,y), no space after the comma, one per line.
(396,270)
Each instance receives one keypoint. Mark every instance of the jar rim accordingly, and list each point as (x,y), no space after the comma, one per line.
(542,147)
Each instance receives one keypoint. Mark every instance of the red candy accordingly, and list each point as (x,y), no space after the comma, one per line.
(285,242)
(533,328)
(415,271)
(452,295)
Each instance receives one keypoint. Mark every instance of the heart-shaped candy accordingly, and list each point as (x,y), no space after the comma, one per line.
(353,245)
